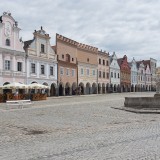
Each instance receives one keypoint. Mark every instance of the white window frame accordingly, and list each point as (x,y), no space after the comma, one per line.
(41,48)
(7,65)
(73,72)
(87,71)
(35,68)
(41,69)
(93,72)
(50,71)
(21,66)
(61,71)
(67,71)
(82,70)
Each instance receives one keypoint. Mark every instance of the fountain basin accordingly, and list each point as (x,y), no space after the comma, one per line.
(142,102)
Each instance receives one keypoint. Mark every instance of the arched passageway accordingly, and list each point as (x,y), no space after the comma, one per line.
(61,89)
(81,88)
(88,88)
(115,88)
(99,88)
(103,88)
(132,88)
(74,89)
(107,88)
(67,89)
(94,88)
(53,90)
(111,88)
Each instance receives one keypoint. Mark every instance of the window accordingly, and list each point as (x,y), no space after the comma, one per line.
(118,75)
(87,59)
(42,48)
(103,62)
(103,74)
(99,74)
(33,68)
(73,72)
(67,57)
(63,56)
(141,71)
(51,70)
(67,71)
(61,71)
(81,71)
(7,65)
(42,69)
(88,72)
(72,59)
(19,66)
(111,74)
(106,63)
(115,75)
(99,61)
(8,42)
(94,72)
(107,75)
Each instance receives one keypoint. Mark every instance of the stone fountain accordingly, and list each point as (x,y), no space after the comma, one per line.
(145,104)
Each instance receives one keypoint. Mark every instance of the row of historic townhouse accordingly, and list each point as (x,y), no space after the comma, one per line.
(69,67)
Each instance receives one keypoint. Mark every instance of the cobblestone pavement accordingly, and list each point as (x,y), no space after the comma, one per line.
(79,128)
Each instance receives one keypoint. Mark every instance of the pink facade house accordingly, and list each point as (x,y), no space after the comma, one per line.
(12,55)
(103,71)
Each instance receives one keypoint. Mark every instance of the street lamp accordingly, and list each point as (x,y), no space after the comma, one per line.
(151,82)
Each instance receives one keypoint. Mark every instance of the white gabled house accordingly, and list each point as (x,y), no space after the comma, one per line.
(41,61)
(114,74)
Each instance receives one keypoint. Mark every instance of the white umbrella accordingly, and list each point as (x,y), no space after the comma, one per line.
(37,86)
(15,85)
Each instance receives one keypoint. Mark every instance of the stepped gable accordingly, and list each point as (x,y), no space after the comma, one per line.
(87,47)
(120,61)
(66,40)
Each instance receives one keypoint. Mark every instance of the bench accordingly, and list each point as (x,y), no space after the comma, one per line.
(19,103)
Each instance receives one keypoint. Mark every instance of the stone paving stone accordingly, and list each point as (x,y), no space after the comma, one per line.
(79,128)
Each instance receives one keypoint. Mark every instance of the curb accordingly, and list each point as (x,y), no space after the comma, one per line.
(140,111)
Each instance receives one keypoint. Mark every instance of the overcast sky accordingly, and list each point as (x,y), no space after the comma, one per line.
(130,27)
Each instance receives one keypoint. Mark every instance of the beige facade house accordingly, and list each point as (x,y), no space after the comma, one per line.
(103,71)
(87,68)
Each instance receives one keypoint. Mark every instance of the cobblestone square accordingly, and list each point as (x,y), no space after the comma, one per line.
(79,128)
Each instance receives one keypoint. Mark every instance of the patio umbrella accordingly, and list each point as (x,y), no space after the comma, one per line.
(15,85)
(37,86)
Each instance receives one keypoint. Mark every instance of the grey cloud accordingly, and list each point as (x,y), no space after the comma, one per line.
(127,27)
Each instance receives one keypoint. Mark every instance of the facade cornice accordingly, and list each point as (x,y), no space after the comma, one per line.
(81,63)
(41,59)
(13,52)
(68,63)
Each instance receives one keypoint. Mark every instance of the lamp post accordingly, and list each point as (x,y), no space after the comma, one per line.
(151,82)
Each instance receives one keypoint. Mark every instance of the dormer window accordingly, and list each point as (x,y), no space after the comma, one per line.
(8,42)
(42,48)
